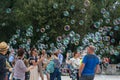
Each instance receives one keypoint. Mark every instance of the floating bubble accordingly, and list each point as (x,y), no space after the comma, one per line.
(112,40)
(66,13)
(3,24)
(97,24)
(8,10)
(24,40)
(103,10)
(106,38)
(59,38)
(72,22)
(72,7)
(118,47)
(67,28)
(76,43)
(116,53)
(14,42)
(83,10)
(101,20)
(107,21)
(115,22)
(47,27)
(42,30)
(55,5)
(72,33)
(37,30)
(47,38)
(77,36)
(111,33)
(116,28)
(81,22)
(106,15)
(86,3)
(65,42)
(18,31)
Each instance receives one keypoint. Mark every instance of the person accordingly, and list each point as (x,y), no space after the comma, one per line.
(3,68)
(75,64)
(41,64)
(56,74)
(90,65)
(60,56)
(34,75)
(20,68)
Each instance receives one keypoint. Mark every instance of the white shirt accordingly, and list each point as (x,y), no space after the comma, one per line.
(75,62)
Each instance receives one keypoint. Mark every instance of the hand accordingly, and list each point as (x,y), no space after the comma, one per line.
(10,69)
(31,67)
(79,74)
(67,55)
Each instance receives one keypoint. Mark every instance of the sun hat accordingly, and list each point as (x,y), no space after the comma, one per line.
(3,46)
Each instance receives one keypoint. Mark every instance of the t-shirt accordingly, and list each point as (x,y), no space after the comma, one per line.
(19,70)
(75,62)
(90,61)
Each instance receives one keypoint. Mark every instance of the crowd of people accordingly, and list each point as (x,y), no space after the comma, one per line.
(36,65)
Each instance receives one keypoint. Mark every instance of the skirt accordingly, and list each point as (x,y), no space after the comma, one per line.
(34,74)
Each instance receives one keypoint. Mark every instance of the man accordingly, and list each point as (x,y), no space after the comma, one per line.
(3,69)
(90,65)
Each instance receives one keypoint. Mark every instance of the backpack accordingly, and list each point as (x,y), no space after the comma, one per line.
(50,67)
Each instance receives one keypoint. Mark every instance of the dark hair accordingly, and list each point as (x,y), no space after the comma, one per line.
(75,52)
(32,49)
(21,52)
(56,54)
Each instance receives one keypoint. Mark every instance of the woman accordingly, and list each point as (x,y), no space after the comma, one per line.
(20,68)
(56,74)
(34,74)
(75,64)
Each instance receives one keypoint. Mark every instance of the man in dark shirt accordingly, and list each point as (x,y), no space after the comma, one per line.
(3,50)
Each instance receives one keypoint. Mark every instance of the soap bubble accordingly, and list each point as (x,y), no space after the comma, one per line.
(42,30)
(37,30)
(47,27)
(112,40)
(3,24)
(76,43)
(103,10)
(8,10)
(106,15)
(97,24)
(116,28)
(86,3)
(55,5)
(72,7)
(81,22)
(107,21)
(72,21)
(65,42)
(59,38)
(111,33)
(66,13)
(77,36)
(67,28)
(83,10)
(14,42)
(72,33)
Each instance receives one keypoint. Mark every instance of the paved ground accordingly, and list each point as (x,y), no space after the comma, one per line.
(97,77)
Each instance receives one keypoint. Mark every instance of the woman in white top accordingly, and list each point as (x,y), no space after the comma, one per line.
(75,64)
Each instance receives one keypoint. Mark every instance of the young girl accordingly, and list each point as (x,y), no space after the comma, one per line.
(34,74)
